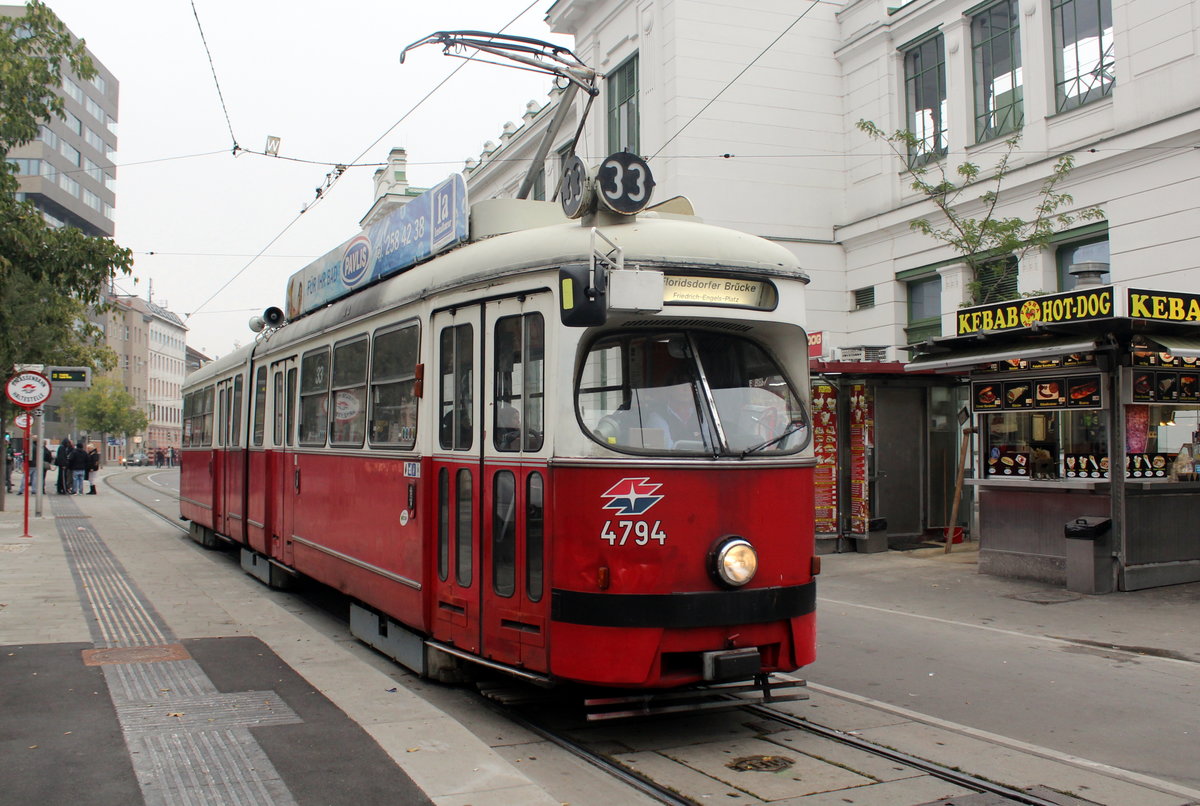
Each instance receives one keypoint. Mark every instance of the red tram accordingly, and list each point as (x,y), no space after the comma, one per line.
(577,451)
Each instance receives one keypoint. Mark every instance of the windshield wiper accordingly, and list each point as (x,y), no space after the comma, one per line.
(787,432)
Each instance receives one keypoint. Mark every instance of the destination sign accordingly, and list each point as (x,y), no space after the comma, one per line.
(425,226)
(726,291)
(1073,306)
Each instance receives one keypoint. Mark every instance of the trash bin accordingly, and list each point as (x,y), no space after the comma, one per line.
(1088,555)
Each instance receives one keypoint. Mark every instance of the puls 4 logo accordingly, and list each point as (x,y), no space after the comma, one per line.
(632,498)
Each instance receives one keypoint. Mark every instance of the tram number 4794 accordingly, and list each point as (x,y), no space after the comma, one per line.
(640,532)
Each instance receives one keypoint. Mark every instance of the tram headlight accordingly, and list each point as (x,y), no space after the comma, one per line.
(732,562)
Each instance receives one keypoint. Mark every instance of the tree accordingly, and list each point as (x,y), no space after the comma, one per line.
(105,408)
(48,276)
(51,280)
(990,245)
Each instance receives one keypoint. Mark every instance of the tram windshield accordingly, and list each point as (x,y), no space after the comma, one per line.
(693,393)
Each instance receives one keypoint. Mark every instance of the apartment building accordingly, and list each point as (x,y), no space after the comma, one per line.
(68,171)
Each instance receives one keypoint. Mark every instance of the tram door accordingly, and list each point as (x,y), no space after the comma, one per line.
(515,599)
(281,482)
(456,475)
(230,475)
(489,476)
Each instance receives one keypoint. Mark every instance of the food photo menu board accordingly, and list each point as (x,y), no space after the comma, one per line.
(1164,386)
(1071,392)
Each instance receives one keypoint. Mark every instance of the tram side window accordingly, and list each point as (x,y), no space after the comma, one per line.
(443,524)
(535,519)
(235,413)
(349,392)
(291,406)
(189,403)
(456,396)
(504,533)
(260,405)
(393,387)
(463,528)
(519,391)
(205,416)
(223,416)
(278,406)
(314,397)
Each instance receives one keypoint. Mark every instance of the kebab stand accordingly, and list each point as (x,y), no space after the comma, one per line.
(1086,406)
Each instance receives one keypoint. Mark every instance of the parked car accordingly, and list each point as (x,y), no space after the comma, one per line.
(138,460)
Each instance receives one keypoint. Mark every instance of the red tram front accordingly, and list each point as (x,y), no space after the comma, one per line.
(577,452)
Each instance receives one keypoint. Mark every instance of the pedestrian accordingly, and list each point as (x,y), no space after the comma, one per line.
(93,466)
(61,459)
(77,461)
(35,459)
(10,456)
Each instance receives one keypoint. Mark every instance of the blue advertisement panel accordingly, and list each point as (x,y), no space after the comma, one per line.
(430,223)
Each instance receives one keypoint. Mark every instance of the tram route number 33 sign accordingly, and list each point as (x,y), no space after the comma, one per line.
(28,389)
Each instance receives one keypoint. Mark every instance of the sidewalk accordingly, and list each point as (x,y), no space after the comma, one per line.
(101,582)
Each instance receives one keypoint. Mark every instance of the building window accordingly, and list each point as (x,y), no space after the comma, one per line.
(1069,254)
(70,152)
(864,298)
(72,89)
(924,309)
(997,280)
(925,98)
(996,53)
(623,108)
(1083,51)
(68,184)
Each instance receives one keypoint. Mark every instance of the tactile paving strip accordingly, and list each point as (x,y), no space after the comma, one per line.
(190,744)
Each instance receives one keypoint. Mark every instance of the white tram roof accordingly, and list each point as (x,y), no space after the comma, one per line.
(504,247)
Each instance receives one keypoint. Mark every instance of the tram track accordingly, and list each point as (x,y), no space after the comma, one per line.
(602,760)
(566,739)
(139,479)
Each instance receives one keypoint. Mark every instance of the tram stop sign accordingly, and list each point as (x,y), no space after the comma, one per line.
(28,389)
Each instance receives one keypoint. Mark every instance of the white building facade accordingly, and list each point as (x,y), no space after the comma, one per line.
(750,110)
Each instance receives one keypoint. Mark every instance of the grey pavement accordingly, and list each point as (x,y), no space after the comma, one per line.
(149,666)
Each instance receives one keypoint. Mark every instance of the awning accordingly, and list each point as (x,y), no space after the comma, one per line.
(1182,346)
(969,357)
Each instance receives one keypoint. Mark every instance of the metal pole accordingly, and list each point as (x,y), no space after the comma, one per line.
(41,491)
(28,446)
(565,102)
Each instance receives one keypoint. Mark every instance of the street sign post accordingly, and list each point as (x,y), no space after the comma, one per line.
(29,389)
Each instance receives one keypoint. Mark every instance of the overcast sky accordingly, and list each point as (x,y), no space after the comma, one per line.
(326,79)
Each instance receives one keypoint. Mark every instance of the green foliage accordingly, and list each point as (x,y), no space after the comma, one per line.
(105,408)
(33,50)
(986,240)
(51,280)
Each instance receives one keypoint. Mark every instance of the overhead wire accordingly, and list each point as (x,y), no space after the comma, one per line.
(332,177)
(216,81)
